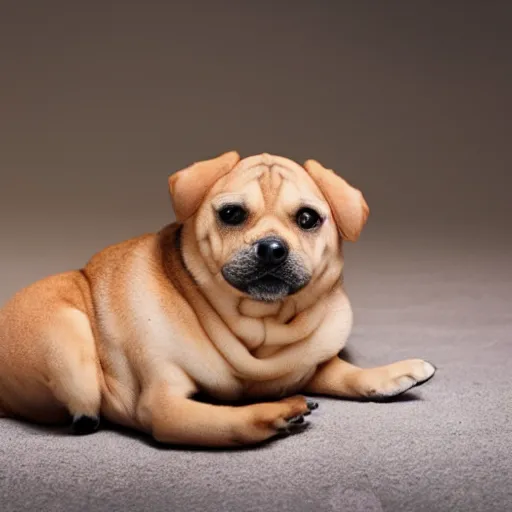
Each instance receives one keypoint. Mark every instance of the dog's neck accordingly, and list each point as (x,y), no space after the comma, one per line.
(262,327)
(260,341)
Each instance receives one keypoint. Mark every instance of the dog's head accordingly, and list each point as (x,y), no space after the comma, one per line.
(265,226)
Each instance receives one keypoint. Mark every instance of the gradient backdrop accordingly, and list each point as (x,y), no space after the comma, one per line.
(100,101)
(409,101)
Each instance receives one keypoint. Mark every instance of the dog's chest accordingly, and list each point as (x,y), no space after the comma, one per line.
(186,357)
(171,339)
(167,347)
(164,338)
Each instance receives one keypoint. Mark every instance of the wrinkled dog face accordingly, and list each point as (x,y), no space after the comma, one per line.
(266,229)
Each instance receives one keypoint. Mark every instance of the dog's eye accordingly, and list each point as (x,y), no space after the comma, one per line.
(308,219)
(232,215)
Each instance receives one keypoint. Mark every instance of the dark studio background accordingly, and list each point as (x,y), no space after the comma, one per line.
(409,101)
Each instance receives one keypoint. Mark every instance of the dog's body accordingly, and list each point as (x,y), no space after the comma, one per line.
(245,305)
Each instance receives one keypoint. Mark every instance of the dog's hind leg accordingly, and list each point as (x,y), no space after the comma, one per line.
(73,369)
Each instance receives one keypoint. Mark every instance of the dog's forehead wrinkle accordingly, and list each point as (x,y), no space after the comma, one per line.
(266,159)
(286,173)
(271,185)
(269,173)
(265,183)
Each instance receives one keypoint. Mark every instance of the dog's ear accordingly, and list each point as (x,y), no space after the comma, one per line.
(189,186)
(348,205)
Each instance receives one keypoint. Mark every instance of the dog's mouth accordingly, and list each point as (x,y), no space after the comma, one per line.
(269,280)
(268,288)
(266,284)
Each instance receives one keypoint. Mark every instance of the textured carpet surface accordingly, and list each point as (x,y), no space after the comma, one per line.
(445,447)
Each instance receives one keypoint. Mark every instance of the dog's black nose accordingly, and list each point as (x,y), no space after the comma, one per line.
(271,251)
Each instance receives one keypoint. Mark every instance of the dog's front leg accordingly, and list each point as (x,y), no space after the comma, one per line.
(339,378)
(177,420)
(342,379)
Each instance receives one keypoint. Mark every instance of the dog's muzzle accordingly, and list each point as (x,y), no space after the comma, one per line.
(267,271)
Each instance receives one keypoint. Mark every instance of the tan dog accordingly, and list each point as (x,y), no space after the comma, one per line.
(240,298)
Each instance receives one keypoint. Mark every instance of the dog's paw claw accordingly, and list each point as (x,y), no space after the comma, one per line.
(296,420)
(312,405)
(294,424)
(83,425)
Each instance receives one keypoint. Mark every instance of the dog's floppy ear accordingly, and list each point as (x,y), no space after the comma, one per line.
(348,205)
(189,186)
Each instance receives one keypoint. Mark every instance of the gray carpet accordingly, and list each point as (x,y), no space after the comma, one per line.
(445,447)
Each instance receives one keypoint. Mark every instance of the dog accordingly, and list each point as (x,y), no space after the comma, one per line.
(241,298)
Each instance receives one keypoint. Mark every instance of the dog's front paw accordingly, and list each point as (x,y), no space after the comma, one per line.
(266,420)
(392,380)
